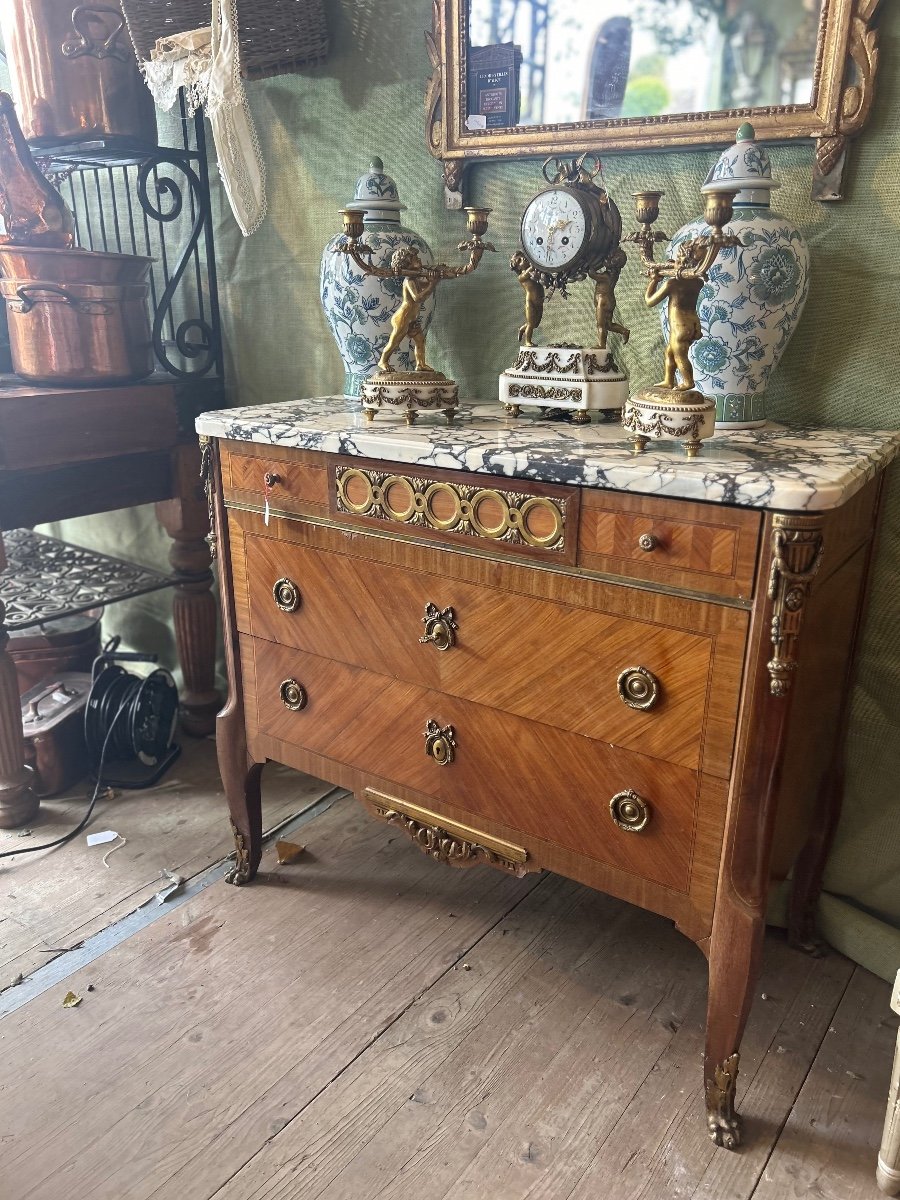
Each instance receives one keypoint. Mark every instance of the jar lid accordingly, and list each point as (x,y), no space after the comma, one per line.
(376,192)
(744,166)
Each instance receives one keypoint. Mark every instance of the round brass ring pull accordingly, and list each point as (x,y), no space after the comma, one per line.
(293,695)
(648,541)
(440,744)
(287,595)
(440,627)
(638,688)
(630,811)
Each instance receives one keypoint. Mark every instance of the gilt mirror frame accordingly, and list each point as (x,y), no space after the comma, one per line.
(843,89)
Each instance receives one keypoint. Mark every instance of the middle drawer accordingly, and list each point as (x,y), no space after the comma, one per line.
(623,809)
(630,683)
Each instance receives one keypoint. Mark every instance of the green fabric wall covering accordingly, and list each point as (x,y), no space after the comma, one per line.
(318,130)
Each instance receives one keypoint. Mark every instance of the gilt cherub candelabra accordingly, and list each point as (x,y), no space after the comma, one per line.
(673,409)
(424,388)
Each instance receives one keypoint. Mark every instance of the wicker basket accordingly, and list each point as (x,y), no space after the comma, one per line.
(276,36)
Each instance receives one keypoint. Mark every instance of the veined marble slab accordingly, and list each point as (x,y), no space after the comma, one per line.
(774,467)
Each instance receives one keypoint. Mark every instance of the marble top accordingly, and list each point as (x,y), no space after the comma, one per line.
(796,468)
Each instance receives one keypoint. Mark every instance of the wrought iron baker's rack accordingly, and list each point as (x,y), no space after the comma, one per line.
(156,202)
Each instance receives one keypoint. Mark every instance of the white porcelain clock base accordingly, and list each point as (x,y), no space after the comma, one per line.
(584,380)
(655,413)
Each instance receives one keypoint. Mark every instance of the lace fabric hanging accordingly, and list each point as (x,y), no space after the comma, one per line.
(184,61)
(206,63)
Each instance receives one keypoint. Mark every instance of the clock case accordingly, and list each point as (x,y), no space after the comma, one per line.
(568,377)
(603,222)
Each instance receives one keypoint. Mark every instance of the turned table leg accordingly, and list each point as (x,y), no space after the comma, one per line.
(18,804)
(888,1172)
(186,520)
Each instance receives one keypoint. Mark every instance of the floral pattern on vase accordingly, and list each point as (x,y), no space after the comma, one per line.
(358,308)
(755,294)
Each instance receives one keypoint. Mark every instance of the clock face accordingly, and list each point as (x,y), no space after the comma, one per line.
(554,229)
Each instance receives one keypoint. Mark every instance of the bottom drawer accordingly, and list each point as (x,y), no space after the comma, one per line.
(624,809)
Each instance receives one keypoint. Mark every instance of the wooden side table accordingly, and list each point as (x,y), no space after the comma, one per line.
(72,452)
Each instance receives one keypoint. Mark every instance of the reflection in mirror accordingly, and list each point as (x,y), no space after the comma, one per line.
(534,62)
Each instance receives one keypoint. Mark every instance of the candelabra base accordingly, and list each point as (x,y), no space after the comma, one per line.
(659,412)
(565,378)
(409,393)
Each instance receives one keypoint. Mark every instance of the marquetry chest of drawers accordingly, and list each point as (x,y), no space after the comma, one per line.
(550,675)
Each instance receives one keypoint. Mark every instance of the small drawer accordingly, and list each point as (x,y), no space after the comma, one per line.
(293,485)
(700,547)
(635,684)
(626,810)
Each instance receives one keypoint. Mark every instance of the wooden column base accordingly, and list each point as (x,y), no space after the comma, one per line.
(18,804)
(186,520)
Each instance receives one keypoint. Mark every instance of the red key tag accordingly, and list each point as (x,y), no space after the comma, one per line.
(269,481)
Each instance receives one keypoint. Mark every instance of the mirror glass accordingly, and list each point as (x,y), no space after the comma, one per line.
(535,62)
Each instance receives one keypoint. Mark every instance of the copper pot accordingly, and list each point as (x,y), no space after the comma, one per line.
(72,266)
(78,334)
(74,74)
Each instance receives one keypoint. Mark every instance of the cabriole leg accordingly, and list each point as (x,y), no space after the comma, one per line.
(734,958)
(241,780)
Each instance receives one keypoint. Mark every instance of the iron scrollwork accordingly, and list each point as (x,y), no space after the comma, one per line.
(166,207)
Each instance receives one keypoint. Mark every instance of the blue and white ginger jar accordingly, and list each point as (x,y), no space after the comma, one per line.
(755,295)
(359,307)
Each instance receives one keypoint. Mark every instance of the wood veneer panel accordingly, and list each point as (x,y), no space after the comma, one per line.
(703,547)
(537,659)
(301,486)
(529,776)
(721,629)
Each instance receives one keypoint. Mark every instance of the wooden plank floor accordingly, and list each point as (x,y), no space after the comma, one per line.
(55,898)
(365,1023)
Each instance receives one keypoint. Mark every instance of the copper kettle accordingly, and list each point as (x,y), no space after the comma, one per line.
(74,74)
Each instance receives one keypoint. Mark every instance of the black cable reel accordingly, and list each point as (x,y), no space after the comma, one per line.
(129,720)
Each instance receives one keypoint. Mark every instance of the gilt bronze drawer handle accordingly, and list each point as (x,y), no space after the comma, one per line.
(638,687)
(630,811)
(271,479)
(648,541)
(287,594)
(293,695)
(440,627)
(440,744)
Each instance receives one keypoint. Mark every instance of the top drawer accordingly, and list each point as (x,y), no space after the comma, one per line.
(705,548)
(295,481)
(700,547)
(536,521)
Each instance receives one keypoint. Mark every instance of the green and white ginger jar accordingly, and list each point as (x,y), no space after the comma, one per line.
(755,295)
(359,307)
